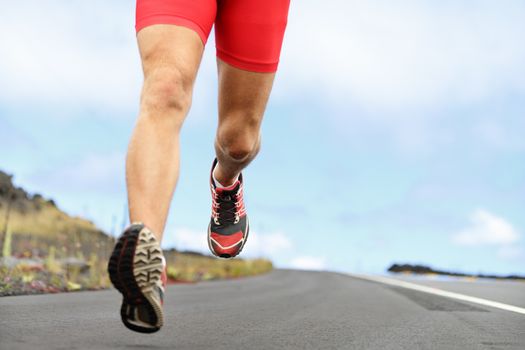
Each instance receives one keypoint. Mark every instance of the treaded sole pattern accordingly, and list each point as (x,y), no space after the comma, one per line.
(135,268)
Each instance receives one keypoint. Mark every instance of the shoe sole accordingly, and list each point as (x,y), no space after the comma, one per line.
(240,249)
(135,268)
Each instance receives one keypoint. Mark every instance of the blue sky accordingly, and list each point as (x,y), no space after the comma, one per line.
(394,132)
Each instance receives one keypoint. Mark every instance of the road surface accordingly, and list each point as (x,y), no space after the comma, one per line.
(282,310)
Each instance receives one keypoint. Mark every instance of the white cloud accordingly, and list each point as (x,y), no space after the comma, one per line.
(399,73)
(308,263)
(486,229)
(69,53)
(75,54)
(387,55)
(375,54)
(391,58)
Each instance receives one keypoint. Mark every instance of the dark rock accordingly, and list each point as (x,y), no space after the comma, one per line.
(422,270)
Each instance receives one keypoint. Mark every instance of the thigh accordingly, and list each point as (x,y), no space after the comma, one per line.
(170,57)
(169,45)
(242,97)
(249,33)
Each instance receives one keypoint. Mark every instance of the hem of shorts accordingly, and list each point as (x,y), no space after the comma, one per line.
(251,66)
(170,19)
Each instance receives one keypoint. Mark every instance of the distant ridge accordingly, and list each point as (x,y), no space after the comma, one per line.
(19,198)
(426,270)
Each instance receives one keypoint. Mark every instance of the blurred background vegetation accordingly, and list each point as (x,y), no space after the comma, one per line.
(43,249)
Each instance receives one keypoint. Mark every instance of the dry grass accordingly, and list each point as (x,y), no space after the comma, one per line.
(55,252)
(52,274)
(189,267)
(43,219)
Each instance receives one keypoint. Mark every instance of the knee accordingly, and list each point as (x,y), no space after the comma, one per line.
(239,141)
(166,94)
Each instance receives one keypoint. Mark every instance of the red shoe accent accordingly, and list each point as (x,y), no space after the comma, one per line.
(164,280)
(223,244)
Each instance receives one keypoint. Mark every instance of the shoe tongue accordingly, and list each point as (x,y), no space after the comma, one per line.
(227,197)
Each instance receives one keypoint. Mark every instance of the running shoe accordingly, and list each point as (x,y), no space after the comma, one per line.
(229,228)
(137,269)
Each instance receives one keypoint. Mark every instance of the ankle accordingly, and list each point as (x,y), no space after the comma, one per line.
(221,179)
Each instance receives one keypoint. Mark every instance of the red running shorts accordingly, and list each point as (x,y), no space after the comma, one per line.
(248,33)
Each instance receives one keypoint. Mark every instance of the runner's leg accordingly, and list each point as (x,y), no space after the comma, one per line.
(170,59)
(242,100)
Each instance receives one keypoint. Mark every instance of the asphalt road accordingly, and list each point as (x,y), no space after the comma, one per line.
(510,292)
(282,310)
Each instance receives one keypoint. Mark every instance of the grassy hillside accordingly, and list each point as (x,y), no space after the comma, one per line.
(34,224)
(43,249)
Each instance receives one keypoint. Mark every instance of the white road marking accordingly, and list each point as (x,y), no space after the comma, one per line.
(443,293)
